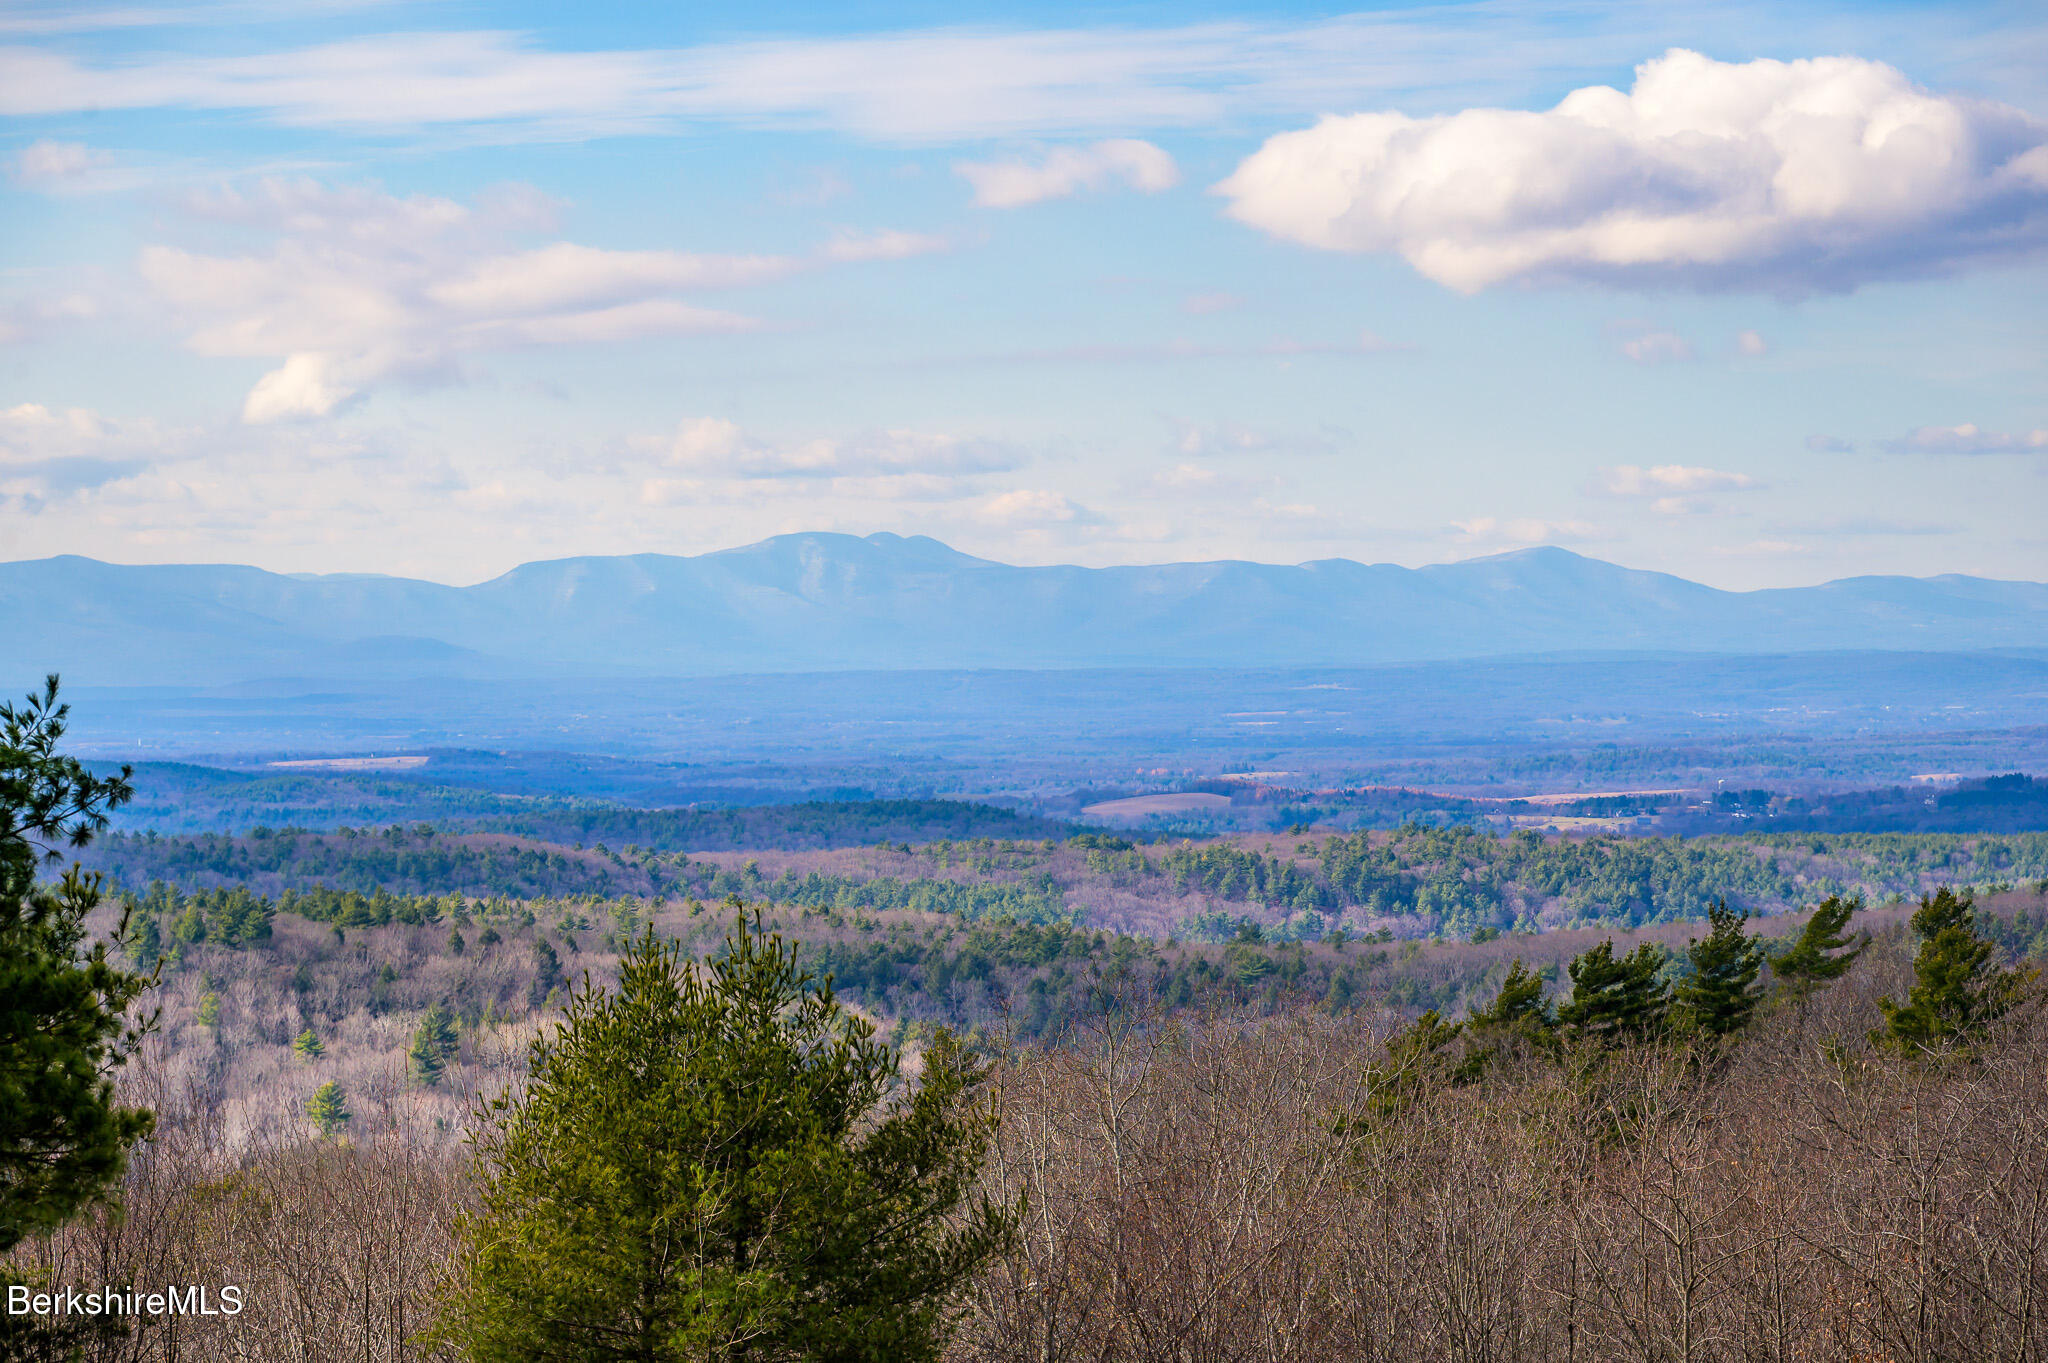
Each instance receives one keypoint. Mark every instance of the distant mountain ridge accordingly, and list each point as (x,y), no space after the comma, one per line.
(830,602)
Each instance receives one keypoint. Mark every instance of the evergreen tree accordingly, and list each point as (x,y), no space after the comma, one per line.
(424,1061)
(146,945)
(1722,992)
(433,1045)
(1615,1001)
(1416,1061)
(547,972)
(1817,957)
(1956,993)
(720,1164)
(456,946)
(307,1046)
(209,1009)
(328,1107)
(64,1026)
(1519,1007)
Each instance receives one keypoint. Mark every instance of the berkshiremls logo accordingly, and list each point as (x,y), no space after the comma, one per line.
(190,1300)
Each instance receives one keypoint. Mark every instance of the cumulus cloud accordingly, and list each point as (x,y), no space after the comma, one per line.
(1968,438)
(1516,530)
(1751,343)
(1670,489)
(1788,176)
(1066,171)
(361,287)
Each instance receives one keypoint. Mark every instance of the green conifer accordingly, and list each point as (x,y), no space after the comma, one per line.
(1722,992)
(1956,993)
(709,1163)
(1519,1007)
(1616,1000)
(307,1046)
(328,1107)
(1817,956)
(209,1009)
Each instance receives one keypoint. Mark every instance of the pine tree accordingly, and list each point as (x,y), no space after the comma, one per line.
(64,1025)
(423,1061)
(723,1163)
(328,1107)
(1956,992)
(1519,1007)
(1817,956)
(456,946)
(209,1009)
(433,1045)
(547,972)
(1615,1001)
(1722,992)
(307,1046)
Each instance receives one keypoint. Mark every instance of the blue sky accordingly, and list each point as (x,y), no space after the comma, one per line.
(1750,293)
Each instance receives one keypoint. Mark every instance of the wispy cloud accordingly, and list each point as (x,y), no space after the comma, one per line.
(1670,489)
(1968,438)
(1066,171)
(361,286)
(1521,530)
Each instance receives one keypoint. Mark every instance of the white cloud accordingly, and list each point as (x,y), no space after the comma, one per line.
(46,454)
(715,447)
(1034,509)
(1657,347)
(1670,489)
(1521,530)
(1967,438)
(1751,343)
(1788,176)
(361,286)
(852,247)
(53,165)
(1830,444)
(1066,171)
(918,86)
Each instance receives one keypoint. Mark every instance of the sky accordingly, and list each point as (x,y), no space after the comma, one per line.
(1751,293)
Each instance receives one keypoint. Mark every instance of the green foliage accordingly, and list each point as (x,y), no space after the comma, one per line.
(720,1164)
(64,1029)
(1616,1000)
(1519,1008)
(1721,992)
(209,1009)
(434,1044)
(547,972)
(1957,992)
(328,1109)
(306,1046)
(1818,955)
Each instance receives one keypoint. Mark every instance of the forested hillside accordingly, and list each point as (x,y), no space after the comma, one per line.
(1412,882)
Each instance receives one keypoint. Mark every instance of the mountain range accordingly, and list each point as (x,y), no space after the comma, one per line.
(829,602)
